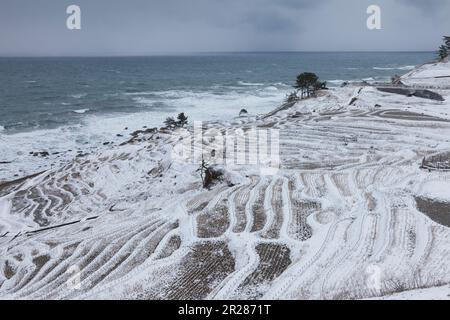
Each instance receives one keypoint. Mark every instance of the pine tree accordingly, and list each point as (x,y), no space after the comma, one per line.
(308,83)
(319,86)
(447,42)
(170,123)
(443,52)
(182,120)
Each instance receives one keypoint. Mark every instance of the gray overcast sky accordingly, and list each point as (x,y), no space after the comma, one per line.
(139,27)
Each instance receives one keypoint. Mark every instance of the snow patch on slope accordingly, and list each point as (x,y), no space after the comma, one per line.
(439,190)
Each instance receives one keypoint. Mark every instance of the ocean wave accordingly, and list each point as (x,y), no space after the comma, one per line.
(2,128)
(78,95)
(215,102)
(336,82)
(395,68)
(250,84)
(282,84)
(141,93)
(81,111)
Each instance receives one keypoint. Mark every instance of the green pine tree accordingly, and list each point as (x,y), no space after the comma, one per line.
(443,52)
(182,120)
(308,83)
(447,42)
(170,123)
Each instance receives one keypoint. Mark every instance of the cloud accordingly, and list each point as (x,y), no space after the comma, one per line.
(144,27)
(427,6)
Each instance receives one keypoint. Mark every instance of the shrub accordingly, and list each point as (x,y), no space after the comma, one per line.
(209,175)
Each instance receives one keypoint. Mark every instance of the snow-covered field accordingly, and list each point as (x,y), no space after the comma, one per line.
(339,220)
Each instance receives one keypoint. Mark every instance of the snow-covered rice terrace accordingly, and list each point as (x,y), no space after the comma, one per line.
(351,214)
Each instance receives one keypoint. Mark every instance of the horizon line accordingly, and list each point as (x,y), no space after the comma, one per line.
(189,53)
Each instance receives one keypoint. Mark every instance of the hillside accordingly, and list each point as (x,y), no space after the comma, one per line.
(350,213)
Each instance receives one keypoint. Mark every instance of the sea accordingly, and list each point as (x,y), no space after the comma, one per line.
(74,103)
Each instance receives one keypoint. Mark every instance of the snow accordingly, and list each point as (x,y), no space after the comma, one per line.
(439,189)
(342,203)
(5,209)
(435,75)
(436,293)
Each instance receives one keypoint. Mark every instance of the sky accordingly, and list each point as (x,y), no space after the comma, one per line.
(145,27)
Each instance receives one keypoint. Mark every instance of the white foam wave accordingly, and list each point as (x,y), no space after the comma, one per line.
(81,111)
(216,104)
(78,95)
(395,68)
(282,84)
(250,84)
(336,82)
(141,93)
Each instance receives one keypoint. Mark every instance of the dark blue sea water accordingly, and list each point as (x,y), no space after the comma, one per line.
(48,93)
